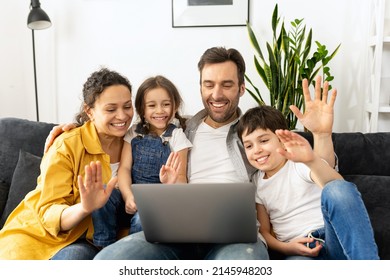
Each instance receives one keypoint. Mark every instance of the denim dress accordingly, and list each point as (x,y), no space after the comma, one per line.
(149,152)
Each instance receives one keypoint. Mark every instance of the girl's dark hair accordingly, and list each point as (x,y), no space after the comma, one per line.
(153,83)
(263,117)
(220,55)
(97,82)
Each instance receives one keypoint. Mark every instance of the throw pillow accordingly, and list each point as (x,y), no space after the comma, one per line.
(24,180)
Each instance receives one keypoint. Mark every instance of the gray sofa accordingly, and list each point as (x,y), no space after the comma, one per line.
(363,159)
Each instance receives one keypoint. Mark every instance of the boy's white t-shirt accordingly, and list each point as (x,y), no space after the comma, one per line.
(177,142)
(210,161)
(292,201)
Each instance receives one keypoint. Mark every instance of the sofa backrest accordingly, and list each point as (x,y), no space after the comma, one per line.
(15,135)
(360,153)
(363,153)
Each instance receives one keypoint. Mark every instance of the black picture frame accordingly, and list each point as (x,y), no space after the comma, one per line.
(209,13)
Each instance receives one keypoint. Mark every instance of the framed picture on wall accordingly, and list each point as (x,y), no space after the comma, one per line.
(208,13)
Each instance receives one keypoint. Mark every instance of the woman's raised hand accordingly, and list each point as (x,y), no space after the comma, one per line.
(93,193)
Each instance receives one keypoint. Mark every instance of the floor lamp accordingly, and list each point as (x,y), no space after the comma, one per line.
(37,19)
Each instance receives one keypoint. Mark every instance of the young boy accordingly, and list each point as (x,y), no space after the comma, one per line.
(305,208)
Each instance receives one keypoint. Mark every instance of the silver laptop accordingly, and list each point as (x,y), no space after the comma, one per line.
(197,213)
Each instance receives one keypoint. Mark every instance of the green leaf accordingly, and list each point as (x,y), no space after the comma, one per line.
(253,40)
(275,19)
(260,70)
(256,96)
(335,52)
(289,61)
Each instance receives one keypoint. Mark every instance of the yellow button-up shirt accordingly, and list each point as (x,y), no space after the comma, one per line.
(32,230)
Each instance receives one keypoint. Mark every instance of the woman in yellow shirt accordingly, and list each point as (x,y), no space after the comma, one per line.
(53,221)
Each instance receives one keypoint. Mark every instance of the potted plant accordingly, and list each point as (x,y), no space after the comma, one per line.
(289,62)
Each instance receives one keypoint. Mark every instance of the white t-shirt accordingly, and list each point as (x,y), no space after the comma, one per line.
(292,200)
(177,142)
(114,169)
(210,161)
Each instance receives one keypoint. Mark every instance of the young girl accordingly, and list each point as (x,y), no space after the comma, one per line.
(154,151)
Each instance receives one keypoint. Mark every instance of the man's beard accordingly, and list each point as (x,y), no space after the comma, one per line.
(224,116)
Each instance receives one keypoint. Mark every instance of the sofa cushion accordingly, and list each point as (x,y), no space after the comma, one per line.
(375,193)
(16,134)
(359,153)
(374,189)
(24,180)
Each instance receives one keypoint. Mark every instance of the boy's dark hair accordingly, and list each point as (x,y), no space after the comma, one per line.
(263,117)
(220,55)
(97,82)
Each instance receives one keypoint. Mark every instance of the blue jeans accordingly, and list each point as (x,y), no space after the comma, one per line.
(108,219)
(347,231)
(80,250)
(135,247)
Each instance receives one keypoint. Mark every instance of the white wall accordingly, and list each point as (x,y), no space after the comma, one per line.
(136,39)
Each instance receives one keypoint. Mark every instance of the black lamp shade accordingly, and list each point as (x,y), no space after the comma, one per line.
(37,18)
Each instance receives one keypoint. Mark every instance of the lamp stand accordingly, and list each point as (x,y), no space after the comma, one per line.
(35,77)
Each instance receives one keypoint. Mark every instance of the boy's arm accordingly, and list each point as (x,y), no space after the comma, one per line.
(124,178)
(318,118)
(298,149)
(266,230)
